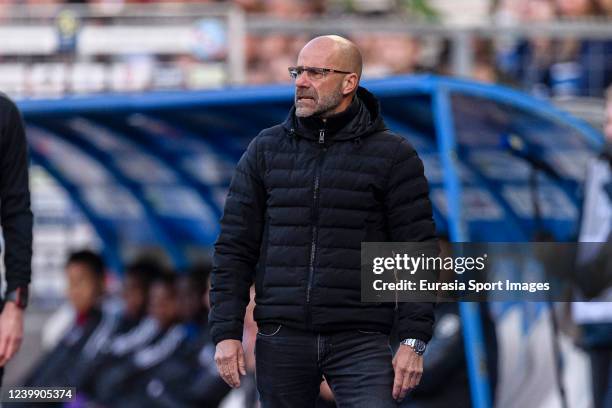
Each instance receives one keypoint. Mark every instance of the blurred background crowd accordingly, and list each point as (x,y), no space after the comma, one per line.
(395,36)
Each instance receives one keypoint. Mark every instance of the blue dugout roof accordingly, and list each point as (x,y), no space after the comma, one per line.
(153,168)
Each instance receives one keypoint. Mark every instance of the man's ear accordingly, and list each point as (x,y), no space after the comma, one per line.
(350,83)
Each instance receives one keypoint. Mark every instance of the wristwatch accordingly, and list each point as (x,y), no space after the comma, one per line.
(19,296)
(417,345)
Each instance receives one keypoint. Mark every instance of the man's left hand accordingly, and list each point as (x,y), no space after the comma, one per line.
(408,367)
(11,331)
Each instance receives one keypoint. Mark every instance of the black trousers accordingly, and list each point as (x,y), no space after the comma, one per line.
(291,365)
(601,371)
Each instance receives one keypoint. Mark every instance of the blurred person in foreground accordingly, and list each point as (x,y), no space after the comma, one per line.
(16,224)
(594,269)
(304,196)
(63,365)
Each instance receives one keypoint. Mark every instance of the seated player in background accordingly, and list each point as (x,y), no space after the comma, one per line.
(135,292)
(120,375)
(62,366)
(188,378)
(129,324)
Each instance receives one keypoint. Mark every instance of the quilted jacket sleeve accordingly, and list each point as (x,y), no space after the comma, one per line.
(237,248)
(410,219)
(15,213)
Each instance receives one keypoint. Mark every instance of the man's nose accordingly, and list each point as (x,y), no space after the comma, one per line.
(302,80)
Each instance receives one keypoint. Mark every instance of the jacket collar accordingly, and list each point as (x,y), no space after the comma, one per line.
(360,119)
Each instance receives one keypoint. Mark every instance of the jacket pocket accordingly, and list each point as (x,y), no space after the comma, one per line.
(269,330)
(369,331)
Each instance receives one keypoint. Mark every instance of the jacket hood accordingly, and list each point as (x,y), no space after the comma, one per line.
(366,120)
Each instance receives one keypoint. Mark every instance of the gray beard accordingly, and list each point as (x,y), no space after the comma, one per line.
(325,105)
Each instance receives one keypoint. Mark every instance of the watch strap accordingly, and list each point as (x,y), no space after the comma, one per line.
(417,345)
(19,296)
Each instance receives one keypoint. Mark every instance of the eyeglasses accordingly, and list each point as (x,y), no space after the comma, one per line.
(313,73)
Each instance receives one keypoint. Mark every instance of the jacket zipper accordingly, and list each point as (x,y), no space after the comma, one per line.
(315,220)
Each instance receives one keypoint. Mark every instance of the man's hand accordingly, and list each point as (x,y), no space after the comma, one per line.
(11,331)
(408,367)
(229,357)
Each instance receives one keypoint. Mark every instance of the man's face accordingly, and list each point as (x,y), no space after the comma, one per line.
(163,305)
(134,296)
(84,288)
(317,96)
(189,300)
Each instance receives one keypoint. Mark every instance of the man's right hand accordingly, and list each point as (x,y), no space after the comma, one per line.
(229,357)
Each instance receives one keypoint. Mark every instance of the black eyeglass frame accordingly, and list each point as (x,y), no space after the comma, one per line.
(295,72)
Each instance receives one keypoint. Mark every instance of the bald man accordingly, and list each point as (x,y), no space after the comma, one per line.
(304,196)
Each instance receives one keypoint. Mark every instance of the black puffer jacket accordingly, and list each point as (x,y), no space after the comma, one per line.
(304,196)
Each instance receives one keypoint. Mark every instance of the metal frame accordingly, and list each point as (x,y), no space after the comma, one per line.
(121,128)
(110,250)
(227,97)
(177,256)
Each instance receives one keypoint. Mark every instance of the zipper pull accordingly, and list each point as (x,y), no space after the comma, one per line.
(322,136)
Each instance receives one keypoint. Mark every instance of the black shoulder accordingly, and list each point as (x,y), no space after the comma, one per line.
(392,145)
(272,132)
(6,104)
(270,137)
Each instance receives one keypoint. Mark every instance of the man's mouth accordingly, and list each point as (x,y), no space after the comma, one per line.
(301,98)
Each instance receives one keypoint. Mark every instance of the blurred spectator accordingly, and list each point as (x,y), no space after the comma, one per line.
(388,53)
(484,65)
(63,366)
(135,293)
(273,58)
(527,62)
(541,65)
(582,67)
(483,68)
(594,269)
(576,9)
(562,67)
(291,9)
(606,7)
(250,6)
(163,300)
(445,380)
